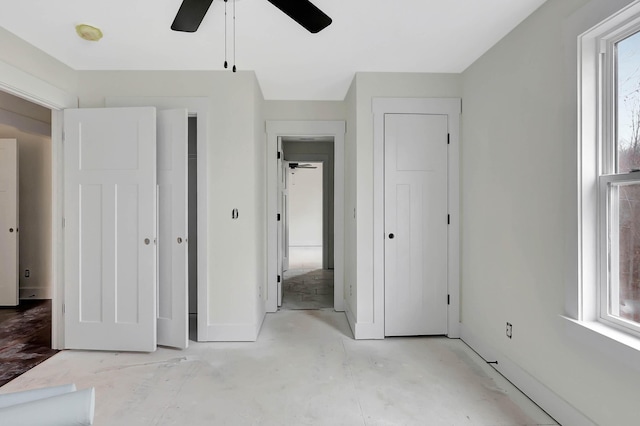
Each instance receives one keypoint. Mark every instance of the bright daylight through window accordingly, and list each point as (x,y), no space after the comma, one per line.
(620,186)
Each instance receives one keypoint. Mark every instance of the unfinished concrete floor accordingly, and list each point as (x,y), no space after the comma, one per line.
(305,369)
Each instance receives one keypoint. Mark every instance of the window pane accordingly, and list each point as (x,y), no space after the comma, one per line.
(624,286)
(628,103)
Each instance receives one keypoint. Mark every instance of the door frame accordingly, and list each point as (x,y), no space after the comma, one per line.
(23,85)
(276,129)
(452,107)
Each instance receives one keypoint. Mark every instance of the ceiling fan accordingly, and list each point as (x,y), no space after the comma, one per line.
(191,14)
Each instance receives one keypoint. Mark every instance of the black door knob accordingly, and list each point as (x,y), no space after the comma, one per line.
(391,236)
(10,229)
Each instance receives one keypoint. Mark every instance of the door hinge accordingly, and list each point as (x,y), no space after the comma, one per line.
(278,155)
(448,138)
(63,309)
(448,299)
(448,219)
(278,217)
(63,222)
(279,278)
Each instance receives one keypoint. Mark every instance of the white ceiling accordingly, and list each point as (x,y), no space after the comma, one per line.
(366,35)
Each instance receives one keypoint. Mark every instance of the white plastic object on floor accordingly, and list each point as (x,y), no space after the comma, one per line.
(14,398)
(69,409)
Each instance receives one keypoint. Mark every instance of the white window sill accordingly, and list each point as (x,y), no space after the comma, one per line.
(622,347)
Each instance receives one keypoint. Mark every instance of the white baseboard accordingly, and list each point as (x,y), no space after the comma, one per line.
(230,333)
(362,330)
(36,293)
(563,412)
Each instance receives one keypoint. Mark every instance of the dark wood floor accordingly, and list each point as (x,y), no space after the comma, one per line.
(25,337)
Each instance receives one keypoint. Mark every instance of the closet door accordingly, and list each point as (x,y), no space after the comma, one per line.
(416,224)
(110,214)
(9,295)
(173,192)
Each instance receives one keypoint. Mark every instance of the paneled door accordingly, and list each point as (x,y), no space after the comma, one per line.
(173,298)
(110,229)
(415,224)
(9,295)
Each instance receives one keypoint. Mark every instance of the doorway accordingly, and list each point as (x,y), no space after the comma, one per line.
(305,132)
(26,329)
(449,111)
(307,279)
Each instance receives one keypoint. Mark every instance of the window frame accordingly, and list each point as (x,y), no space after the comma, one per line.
(597,109)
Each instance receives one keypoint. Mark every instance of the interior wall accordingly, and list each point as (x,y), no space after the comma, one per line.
(305,207)
(304,110)
(368,86)
(350,213)
(22,55)
(236,175)
(260,194)
(518,164)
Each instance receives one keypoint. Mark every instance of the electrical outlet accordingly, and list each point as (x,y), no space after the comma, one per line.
(509,330)
(27,273)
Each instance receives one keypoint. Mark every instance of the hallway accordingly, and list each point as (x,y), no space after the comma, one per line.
(304,369)
(307,289)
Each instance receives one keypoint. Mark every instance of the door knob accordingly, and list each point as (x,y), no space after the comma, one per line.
(147,241)
(179,240)
(10,229)
(391,236)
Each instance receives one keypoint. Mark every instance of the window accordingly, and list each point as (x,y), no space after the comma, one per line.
(619,181)
(610,172)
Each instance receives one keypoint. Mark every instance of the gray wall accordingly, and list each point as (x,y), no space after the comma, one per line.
(518,189)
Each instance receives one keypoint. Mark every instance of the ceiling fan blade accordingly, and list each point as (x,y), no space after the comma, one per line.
(190,15)
(304,13)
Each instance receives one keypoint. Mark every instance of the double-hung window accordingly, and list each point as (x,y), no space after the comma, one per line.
(610,179)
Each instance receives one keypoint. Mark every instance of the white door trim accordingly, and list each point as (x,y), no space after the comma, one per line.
(33,89)
(199,107)
(274,130)
(452,107)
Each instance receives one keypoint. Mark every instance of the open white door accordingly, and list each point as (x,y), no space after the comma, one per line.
(286,176)
(9,295)
(173,299)
(281,236)
(110,229)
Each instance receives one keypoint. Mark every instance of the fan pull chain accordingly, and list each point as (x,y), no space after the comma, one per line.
(226,65)
(234,35)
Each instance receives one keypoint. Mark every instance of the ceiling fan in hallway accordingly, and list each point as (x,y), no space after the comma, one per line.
(305,13)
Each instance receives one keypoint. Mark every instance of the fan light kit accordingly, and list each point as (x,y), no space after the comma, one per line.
(305,13)
(88,32)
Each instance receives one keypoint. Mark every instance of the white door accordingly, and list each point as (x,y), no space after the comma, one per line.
(281,178)
(173,299)
(9,295)
(286,177)
(415,224)
(110,229)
